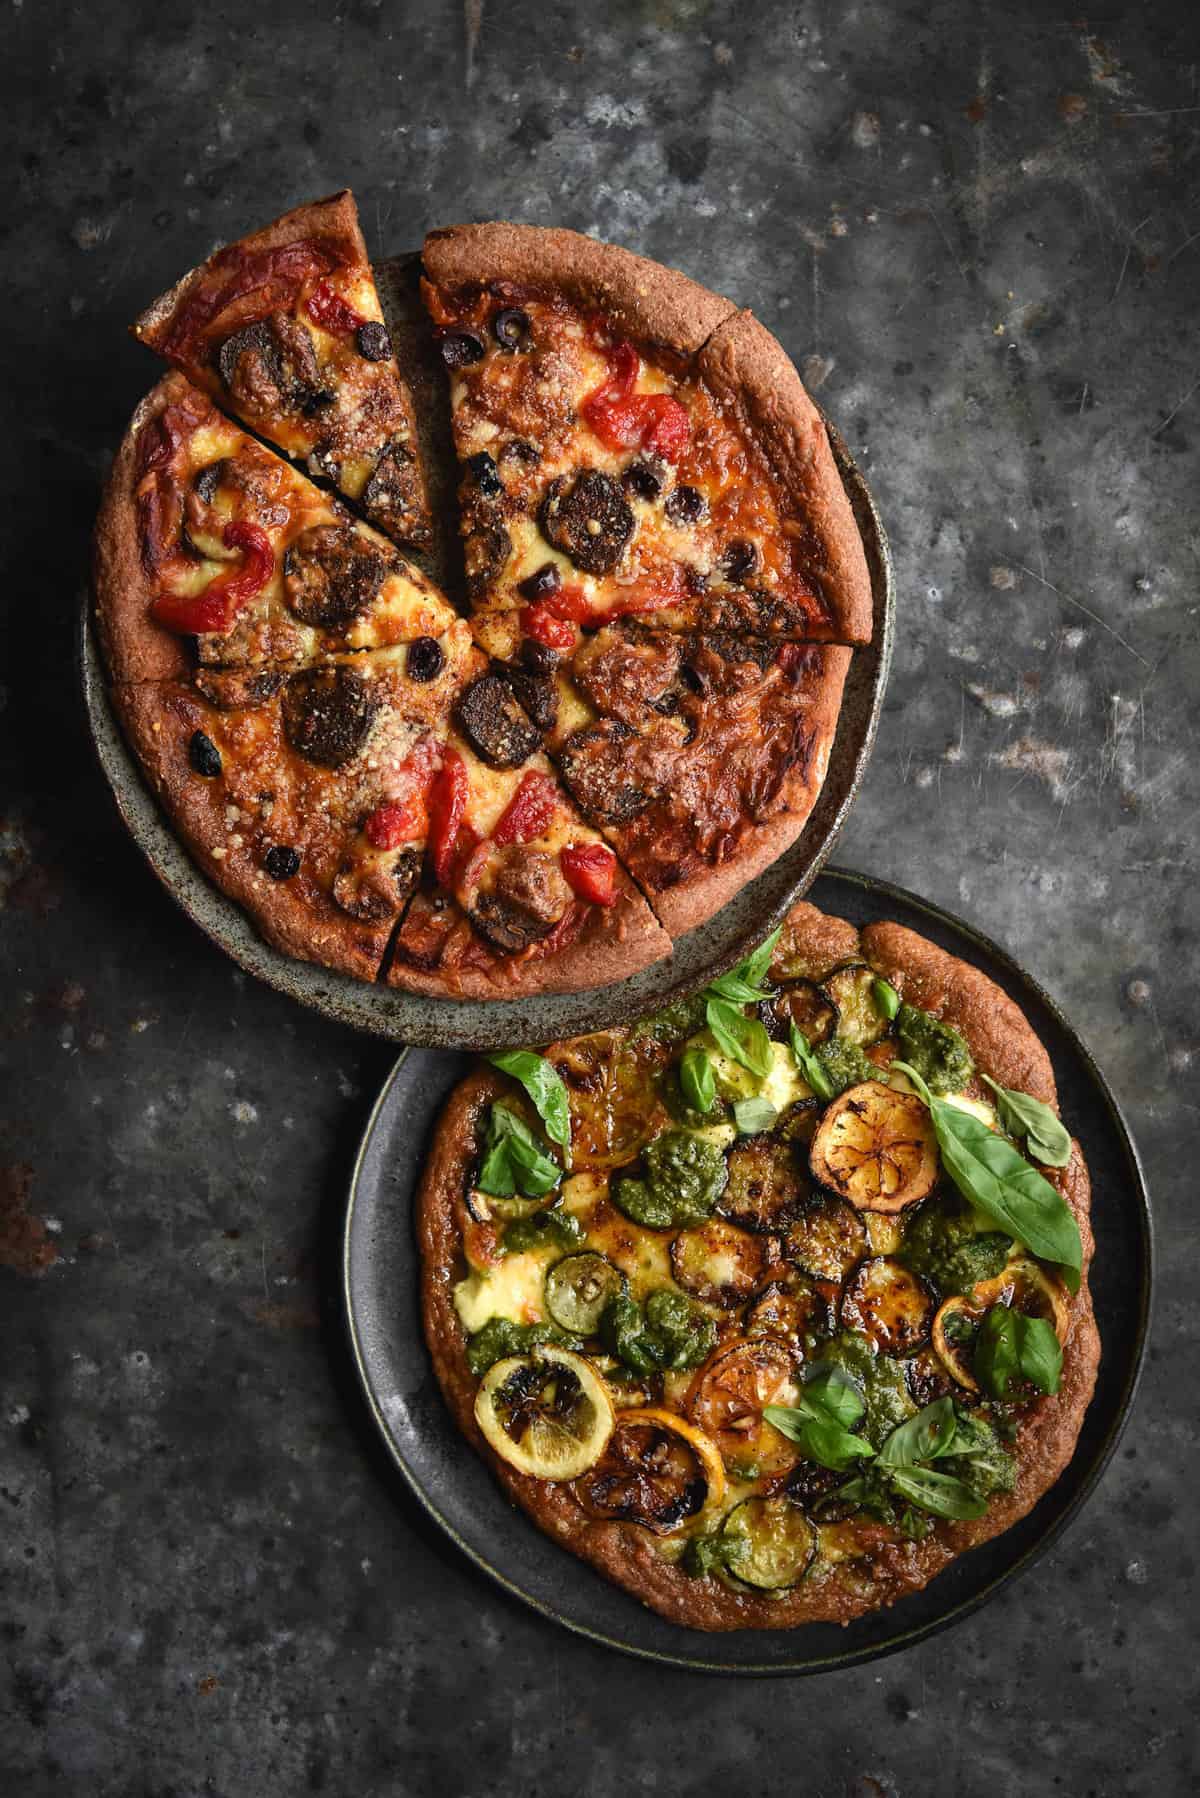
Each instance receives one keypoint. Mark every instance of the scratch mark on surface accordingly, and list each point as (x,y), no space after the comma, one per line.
(1177,407)
(473,20)
(1128,253)
(1095,617)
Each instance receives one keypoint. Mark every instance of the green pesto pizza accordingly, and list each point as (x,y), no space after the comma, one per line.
(770,1306)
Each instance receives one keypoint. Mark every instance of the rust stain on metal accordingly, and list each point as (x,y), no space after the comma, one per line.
(25,1244)
(301,1315)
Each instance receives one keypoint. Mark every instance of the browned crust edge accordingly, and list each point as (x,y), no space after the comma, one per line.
(652,303)
(296,917)
(337,213)
(621,1552)
(750,372)
(687,907)
(135,648)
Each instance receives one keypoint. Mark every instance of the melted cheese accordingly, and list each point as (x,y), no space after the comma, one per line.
(512,1290)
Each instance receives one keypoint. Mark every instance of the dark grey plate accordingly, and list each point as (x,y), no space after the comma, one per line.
(448,1023)
(459,1493)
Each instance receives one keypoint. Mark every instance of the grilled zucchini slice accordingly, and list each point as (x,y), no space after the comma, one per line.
(794,1308)
(826,1239)
(781,1543)
(851,991)
(720,1264)
(766,1182)
(577,1288)
(876,1147)
(885,1302)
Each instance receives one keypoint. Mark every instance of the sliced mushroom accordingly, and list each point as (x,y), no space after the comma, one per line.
(595,763)
(876,1147)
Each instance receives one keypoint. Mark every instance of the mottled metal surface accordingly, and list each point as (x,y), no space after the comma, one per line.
(458,1491)
(976,233)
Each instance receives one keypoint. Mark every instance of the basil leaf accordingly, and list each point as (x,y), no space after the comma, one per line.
(921,1438)
(697,1079)
(1046,1136)
(743,984)
(832,1390)
(743,1039)
(820,1439)
(1011,1345)
(753,1115)
(513,1160)
(939,1493)
(543,1083)
(887,999)
(808,1064)
(992,1174)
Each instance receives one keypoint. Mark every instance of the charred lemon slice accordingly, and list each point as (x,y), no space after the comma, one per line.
(610,1081)
(780,1543)
(1022,1284)
(657,1470)
(548,1414)
(727,1399)
(876,1147)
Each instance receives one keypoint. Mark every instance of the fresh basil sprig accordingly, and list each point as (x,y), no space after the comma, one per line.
(808,1064)
(513,1159)
(939,1493)
(697,1079)
(543,1082)
(901,1466)
(821,1422)
(743,1039)
(743,984)
(1046,1136)
(993,1175)
(887,999)
(1012,1346)
(753,1115)
(921,1438)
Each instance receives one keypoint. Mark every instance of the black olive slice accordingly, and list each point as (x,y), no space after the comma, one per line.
(494,723)
(482,470)
(331,573)
(685,505)
(373,342)
(426,659)
(642,479)
(210,478)
(541,583)
(460,348)
(485,553)
(204,755)
(511,329)
(588,518)
(741,558)
(327,714)
(281,861)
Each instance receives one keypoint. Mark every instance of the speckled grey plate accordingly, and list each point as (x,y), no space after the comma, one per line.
(447,1477)
(449,1023)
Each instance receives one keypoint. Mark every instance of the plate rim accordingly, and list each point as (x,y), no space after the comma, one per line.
(964,1608)
(416,1020)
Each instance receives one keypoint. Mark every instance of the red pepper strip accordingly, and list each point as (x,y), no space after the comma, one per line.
(623,419)
(217,607)
(590,870)
(277,274)
(471,855)
(447,810)
(541,624)
(529,811)
(329,310)
(665,587)
(667,429)
(396,821)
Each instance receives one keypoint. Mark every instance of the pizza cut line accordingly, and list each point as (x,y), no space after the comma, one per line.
(542,794)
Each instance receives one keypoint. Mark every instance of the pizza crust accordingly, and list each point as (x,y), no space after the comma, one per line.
(625,1554)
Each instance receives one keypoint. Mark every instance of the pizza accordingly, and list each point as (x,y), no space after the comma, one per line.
(284,328)
(629,711)
(772,1305)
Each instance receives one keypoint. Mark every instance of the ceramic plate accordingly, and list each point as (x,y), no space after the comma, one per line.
(457,1490)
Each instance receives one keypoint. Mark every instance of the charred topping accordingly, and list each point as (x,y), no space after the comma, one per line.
(373,341)
(282,861)
(204,755)
(210,478)
(537,694)
(685,505)
(594,766)
(541,583)
(494,724)
(642,479)
(331,573)
(587,517)
(482,470)
(740,559)
(460,348)
(230,689)
(426,659)
(390,496)
(327,714)
(485,553)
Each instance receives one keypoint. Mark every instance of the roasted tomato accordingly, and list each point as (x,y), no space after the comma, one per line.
(720,1264)
(766,1183)
(885,1302)
(729,1394)
(657,1471)
(877,1148)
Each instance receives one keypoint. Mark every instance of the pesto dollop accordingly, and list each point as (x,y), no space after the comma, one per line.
(937,1051)
(669,1331)
(982,1462)
(562,1228)
(944,1247)
(879,1381)
(845,1064)
(679,1019)
(683,1178)
(501,1337)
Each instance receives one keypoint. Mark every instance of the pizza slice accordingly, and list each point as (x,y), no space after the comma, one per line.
(631,444)
(518,894)
(285,329)
(205,534)
(699,755)
(302,792)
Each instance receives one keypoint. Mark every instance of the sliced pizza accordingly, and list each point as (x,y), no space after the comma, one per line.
(205,534)
(284,328)
(302,792)
(518,893)
(633,444)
